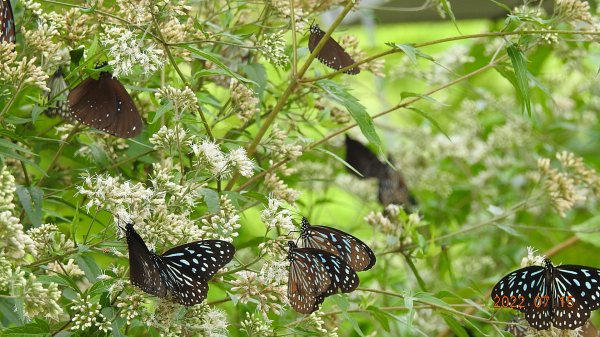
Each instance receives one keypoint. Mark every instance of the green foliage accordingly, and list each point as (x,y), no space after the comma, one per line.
(238,146)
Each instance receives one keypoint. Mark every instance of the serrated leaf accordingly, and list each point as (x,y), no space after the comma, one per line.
(356,110)
(31,199)
(521,75)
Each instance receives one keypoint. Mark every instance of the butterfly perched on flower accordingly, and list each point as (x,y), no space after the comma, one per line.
(7,23)
(334,241)
(57,96)
(104,104)
(332,54)
(562,296)
(392,185)
(182,272)
(315,274)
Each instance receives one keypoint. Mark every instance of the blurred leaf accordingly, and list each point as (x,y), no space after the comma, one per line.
(448,10)
(357,110)
(380,316)
(521,74)
(31,199)
(453,324)
(204,55)
(211,197)
(589,231)
(430,119)
(411,52)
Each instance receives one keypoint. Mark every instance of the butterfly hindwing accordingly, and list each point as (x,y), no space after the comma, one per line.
(144,266)
(350,249)
(332,54)
(7,23)
(307,280)
(104,104)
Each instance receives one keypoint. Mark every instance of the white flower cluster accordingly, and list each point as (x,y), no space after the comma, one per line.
(167,139)
(7,189)
(49,240)
(128,50)
(276,216)
(223,225)
(200,320)
(87,314)
(532,259)
(70,269)
(255,325)
(183,100)
(40,299)
(274,50)
(244,100)
(267,288)
(220,163)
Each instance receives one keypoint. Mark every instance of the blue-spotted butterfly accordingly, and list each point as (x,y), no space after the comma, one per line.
(7,23)
(349,248)
(315,274)
(182,272)
(562,296)
(105,104)
(332,54)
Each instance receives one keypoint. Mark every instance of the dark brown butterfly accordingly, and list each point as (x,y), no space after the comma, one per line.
(392,186)
(332,54)
(57,96)
(7,23)
(104,104)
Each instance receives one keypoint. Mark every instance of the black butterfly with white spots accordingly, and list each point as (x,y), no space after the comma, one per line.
(562,296)
(315,274)
(182,272)
(334,241)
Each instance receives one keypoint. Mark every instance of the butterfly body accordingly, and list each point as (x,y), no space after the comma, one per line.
(315,274)
(349,248)
(182,271)
(7,23)
(562,296)
(332,54)
(105,104)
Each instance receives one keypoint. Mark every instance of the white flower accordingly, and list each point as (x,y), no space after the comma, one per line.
(128,50)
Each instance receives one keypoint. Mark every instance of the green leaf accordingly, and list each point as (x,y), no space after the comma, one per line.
(338,158)
(589,231)
(161,111)
(411,52)
(430,119)
(211,197)
(204,55)
(380,316)
(89,267)
(521,74)
(453,324)
(357,110)
(31,199)
(37,328)
(446,6)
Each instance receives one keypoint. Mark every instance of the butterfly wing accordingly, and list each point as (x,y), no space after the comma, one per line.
(57,96)
(528,283)
(576,293)
(363,160)
(104,104)
(343,278)
(7,23)
(144,266)
(307,280)
(349,248)
(332,54)
(393,189)
(189,267)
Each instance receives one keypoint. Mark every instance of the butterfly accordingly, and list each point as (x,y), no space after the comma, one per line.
(350,249)
(182,271)
(57,96)
(315,274)
(562,296)
(7,23)
(332,54)
(105,104)
(392,186)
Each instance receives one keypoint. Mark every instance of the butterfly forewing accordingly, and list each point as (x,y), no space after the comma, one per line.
(144,266)
(104,104)
(363,160)
(307,280)
(200,259)
(7,23)
(349,248)
(332,54)
(343,278)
